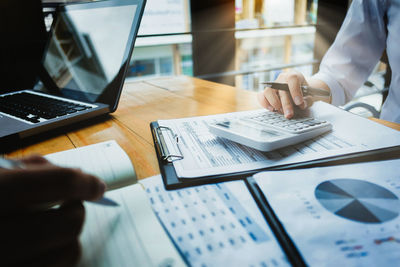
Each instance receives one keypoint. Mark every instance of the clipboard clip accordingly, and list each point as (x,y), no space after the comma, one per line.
(162,147)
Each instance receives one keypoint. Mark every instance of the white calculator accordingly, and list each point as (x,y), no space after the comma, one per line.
(267,131)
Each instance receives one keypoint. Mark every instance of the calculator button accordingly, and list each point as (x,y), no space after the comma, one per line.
(279,122)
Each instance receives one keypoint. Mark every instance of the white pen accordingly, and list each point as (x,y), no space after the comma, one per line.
(10,164)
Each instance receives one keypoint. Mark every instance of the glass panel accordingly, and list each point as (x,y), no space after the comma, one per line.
(265,48)
(165,16)
(272,13)
(164,44)
(273,35)
(274,48)
(160,60)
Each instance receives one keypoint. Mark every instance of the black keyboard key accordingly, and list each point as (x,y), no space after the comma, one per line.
(79,108)
(32,107)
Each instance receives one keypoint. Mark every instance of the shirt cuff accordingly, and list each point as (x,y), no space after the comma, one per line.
(337,91)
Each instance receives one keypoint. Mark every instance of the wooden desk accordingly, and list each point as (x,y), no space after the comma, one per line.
(150,100)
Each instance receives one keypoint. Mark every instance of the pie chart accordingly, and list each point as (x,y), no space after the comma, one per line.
(358,200)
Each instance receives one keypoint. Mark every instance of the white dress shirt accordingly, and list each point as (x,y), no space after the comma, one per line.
(357,49)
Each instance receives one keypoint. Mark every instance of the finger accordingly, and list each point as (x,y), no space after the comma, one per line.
(27,187)
(308,101)
(286,104)
(34,159)
(65,256)
(30,235)
(295,81)
(73,215)
(41,227)
(273,99)
(264,102)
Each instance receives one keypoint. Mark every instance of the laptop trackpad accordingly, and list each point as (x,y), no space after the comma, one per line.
(10,126)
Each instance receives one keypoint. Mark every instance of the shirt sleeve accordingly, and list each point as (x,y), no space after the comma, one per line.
(355,51)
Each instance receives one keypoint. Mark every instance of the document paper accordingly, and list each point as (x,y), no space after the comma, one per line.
(128,235)
(106,160)
(216,225)
(205,154)
(339,216)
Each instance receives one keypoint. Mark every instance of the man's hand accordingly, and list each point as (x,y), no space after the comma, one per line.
(32,235)
(285,102)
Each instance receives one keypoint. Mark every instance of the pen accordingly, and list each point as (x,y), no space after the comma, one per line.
(307,90)
(10,164)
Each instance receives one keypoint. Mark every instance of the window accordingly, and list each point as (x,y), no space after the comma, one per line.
(265,42)
(272,35)
(163,46)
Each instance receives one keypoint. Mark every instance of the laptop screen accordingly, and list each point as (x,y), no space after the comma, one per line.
(90,47)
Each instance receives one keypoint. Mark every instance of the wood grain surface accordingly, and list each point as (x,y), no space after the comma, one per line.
(140,104)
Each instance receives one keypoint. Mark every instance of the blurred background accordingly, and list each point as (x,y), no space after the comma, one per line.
(244,42)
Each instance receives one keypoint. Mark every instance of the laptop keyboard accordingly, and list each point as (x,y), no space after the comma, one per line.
(36,108)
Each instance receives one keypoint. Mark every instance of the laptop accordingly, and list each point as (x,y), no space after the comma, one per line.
(83,68)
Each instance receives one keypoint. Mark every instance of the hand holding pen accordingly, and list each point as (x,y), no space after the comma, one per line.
(292,90)
(18,165)
(42,237)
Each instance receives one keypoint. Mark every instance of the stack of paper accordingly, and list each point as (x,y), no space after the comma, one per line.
(216,225)
(339,216)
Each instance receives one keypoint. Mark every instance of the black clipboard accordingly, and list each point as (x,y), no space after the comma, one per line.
(167,170)
(288,246)
(172,181)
